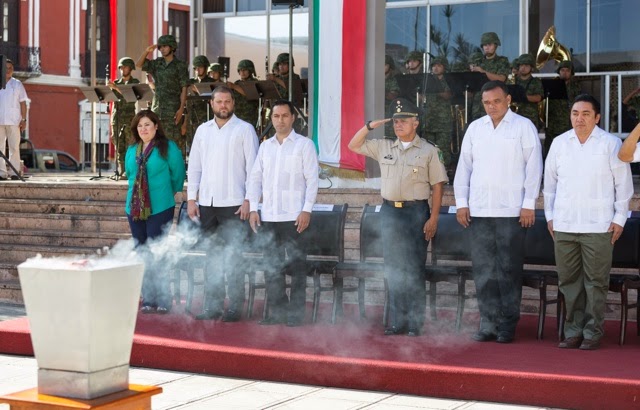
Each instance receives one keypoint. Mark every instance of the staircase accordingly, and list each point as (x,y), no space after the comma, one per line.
(56,217)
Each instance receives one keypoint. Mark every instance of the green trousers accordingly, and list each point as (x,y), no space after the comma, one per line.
(584,263)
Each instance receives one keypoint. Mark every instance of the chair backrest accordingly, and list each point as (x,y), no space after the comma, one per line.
(452,241)
(325,236)
(626,252)
(370,233)
(538,243)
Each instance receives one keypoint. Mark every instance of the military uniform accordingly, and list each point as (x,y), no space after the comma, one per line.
(438,119)
(559,119)
(532,86)
(197,110)
(246,110)
(169,79)
(121,116)
(496,65)
(634,103)
(407,176)
(391,86)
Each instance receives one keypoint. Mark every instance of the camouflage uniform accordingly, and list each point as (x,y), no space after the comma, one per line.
(390,86)
(197,109)
(634,103)
(121,116)
(169,79)
(560,110)
(246,110)
(532,86)
(438,120)
(497,65)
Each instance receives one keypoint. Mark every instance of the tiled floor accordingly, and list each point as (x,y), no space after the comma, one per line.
(193,391)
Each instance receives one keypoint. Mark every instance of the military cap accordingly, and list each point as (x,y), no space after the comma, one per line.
(415,56)
(215,67)
(565,64)
(127,61)
(403,108)
(246,65)
(168,40)
(489,38)
(527,59)
(284,58)
(439,60)
(200,61)
(389,60)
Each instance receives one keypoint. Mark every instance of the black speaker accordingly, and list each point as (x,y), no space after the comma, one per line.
(3,72)
(287,2)
(224,62)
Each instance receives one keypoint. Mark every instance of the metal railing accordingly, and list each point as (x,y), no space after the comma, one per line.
(25,59)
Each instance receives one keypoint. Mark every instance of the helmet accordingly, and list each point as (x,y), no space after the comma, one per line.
(566,64)
(215,67)
(284,58)
(127,61)
(416,56)
(247,65)
(389,60)
(526,59)
(200,61)
(440,60)
(515,63)
(168,40)
(489,38)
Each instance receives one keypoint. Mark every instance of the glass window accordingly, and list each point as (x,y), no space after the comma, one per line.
(570,20)
(217,6)
(305,3)
(614,35)
(406,30)
(456,29)
(280,40)
(251,5)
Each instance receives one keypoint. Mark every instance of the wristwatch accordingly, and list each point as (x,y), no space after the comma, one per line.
(23,120)
(368,125)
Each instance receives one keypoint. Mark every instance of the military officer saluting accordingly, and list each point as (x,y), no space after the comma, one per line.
(123,112)
(170,77)
(438,112)
(198,110)
(411,172)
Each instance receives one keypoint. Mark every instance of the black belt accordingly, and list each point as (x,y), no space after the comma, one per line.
(404,204)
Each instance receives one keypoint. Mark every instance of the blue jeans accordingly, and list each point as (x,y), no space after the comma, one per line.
(155,284)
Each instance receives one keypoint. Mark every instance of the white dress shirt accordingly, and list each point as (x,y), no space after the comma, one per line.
(10,99)
(586,186)
(500,168)
(636,153)
(220,161)
(286,175)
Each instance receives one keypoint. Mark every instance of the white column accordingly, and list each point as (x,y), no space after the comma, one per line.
(74,38)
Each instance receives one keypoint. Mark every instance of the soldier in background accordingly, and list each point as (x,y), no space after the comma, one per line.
(245,110)
(560,110)
(215,72)
(122,113)
(632,101)
(438,113)
(532,87)
(495,67)
(391,92)
(197,110)
(414,62)
(282,79)
(170,76)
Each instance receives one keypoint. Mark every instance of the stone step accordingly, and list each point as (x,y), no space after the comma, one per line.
(89,207)
(16,254)
(63,222)
(62,238)
(8,271)
(10,292)
(67,190)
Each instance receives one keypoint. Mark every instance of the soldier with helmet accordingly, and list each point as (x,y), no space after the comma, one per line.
(559,120)
(391,91)
(170,77)
(122,113)
(245,110)
(215,72)
(413,63)
(532,87)
(282,80)
(198,110)
(495,67)
(438,119)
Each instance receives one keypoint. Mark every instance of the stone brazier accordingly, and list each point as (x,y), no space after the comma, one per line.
(82,316)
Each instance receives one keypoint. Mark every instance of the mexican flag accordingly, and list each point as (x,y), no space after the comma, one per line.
(339,65)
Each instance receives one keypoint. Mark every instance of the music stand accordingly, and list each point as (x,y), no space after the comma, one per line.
(136,92)
(554,89)
(250,89)
(99,94)
(517,93)
(411,86)
(469,81)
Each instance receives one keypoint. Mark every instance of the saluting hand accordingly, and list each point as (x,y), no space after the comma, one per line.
(377,123)
(151,48)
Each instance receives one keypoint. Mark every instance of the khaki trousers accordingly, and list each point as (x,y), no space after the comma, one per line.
(10,133)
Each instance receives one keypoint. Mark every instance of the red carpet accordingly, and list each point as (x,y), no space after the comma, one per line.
(355,354)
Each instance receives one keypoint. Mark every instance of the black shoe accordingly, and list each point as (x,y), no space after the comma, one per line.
(484,336)
(3,178)
(414,332)
(393,330)
(209,315)
(15,177)
(162,310)
(231,316)
(273,320)
(505,337)
(294,322)
(147,309)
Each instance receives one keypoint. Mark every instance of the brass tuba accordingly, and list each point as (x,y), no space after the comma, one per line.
(549,49)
